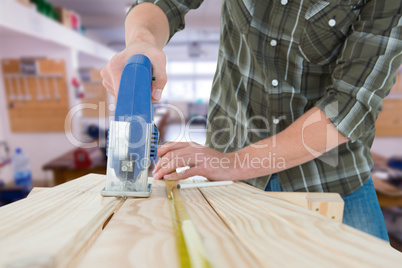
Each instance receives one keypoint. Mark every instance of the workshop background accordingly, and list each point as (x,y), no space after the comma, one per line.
(54,110)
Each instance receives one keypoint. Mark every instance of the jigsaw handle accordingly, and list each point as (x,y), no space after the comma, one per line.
(134,96)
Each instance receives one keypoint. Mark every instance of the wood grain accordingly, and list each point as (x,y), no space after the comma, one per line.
(239,225)
(223,248)
(36,190)
(54,227)
(129,236)
(139,235)
(284,234)
(329,205)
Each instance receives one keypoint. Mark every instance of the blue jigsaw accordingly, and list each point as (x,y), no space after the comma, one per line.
(133,137)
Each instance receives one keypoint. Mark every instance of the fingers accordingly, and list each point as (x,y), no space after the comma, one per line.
(170,163)
(111,73)
(159,72)
(174,155)
(170,146)
(107,81)
(193,171)
(163,172)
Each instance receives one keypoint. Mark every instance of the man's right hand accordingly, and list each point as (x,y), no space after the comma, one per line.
(147,32)
(111,73)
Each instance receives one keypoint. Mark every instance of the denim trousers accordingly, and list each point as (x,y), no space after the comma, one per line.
(361,211)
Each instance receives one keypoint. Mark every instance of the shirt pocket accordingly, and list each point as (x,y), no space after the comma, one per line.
(326,26)
(240,13)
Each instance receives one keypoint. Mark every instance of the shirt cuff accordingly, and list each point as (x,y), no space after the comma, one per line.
(351,117)
(173,14)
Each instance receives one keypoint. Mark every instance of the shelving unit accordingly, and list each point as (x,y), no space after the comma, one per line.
(26,33)
(16,18)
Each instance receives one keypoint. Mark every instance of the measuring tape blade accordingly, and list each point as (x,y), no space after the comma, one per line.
(190,249)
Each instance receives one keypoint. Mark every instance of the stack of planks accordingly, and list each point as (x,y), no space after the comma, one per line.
(72,225)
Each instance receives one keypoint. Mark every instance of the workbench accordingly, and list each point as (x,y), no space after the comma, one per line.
(72,225)
(64,170)
(388,195)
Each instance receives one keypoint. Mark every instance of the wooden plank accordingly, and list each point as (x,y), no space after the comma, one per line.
(55,227)
(285,235)
(239,225)
(329,205)
(36,190)
(223,248)
(139,235)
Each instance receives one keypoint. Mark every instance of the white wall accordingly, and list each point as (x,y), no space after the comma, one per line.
(387,146)
(41,147)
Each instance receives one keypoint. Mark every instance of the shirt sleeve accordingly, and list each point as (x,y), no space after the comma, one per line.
(366,69)
(175,11)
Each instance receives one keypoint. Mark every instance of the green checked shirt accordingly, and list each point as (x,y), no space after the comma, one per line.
(279,58)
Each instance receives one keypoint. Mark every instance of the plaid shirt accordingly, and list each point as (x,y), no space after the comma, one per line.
(278,59)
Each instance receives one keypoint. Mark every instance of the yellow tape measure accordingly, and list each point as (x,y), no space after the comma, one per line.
(190,249)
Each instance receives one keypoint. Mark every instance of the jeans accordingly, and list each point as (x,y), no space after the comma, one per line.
(361,211)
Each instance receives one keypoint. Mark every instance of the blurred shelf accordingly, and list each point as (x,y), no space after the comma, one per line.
(21,20)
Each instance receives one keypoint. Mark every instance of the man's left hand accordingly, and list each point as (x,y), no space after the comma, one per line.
(201,160)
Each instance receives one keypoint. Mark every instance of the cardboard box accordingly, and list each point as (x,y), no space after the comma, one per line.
(64,16)
(24,2)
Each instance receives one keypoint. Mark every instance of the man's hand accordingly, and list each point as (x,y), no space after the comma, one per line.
(202,161)
(147,31)
(111,73)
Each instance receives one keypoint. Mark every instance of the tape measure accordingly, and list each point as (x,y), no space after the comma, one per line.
(190,250)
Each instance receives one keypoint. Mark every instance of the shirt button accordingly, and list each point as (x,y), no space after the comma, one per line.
(275,82)
(276,121)
(332,22)
(284,2)
(273,43)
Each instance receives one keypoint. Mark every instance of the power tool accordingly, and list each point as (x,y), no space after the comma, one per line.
(133,137)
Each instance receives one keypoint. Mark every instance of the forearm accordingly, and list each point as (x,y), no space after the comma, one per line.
(307,138)
(146,22)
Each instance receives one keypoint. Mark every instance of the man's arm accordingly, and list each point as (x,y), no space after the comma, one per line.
(310,136)
(366,69)
(363,76)
(149,25)
(147,31)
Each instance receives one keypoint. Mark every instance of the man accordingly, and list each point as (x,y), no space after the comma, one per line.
(298,88)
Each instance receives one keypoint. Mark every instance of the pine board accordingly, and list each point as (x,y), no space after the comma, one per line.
(54,227)
(139,235)
(240,226)
(285,235)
